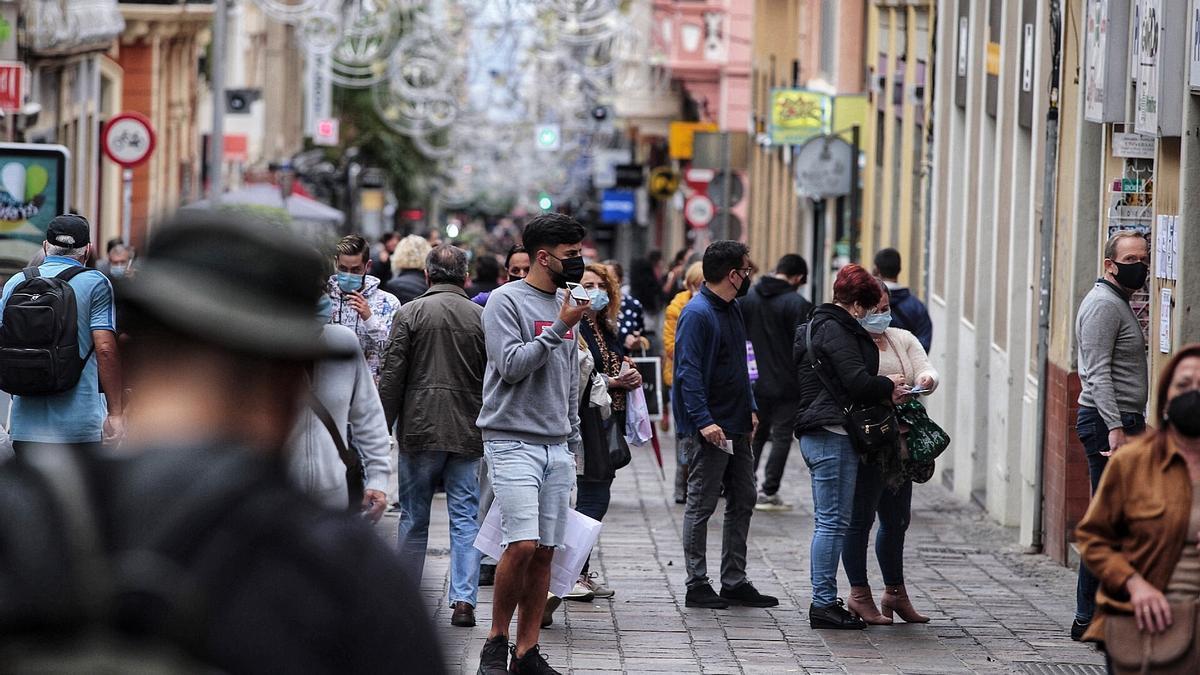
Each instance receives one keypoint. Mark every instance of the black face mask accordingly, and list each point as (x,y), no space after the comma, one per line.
(572,271)
(1183,412)
(1132,276)
(744,288)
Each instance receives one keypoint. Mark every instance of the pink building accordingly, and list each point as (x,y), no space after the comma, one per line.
(708,45)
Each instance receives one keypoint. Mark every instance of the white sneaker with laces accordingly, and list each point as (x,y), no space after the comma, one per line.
(580,593)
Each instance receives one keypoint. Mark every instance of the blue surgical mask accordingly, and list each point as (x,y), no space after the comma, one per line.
(350,283)
(117,270)
(599,299)
(876,323)
(324,309)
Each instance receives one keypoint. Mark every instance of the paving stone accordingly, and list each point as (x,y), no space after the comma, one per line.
(992,606)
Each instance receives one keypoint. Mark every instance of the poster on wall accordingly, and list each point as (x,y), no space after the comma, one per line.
(1194,49)
(33,190)
(1158,101)
(1105,60)
(1149,39)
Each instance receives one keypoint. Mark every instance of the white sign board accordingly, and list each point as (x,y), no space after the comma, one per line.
(326,132)
(1149,38)
(1164,322)
(1159,98)
(1133,146)
(1106,32)
(823,166)
(1194,48)
(318,91)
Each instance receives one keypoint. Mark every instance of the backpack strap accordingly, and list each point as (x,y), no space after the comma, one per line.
(73,271)
(31,273)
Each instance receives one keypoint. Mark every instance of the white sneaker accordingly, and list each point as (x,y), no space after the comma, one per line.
(773,502)
(580,593)
(598,589)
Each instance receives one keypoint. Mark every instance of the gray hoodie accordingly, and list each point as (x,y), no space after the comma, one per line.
(347,389)
(530,385)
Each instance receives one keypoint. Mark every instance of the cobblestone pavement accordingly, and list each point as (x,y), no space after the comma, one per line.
(993,609)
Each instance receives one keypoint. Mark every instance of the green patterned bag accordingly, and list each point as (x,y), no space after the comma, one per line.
(926,440)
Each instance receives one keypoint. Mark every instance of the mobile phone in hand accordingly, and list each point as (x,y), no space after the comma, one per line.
(919,391)
(578,293)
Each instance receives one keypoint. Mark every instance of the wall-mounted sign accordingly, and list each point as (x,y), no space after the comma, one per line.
(1133,146)
(1194,49)
(963,52)
(326,132)
(1159,99)
(318,91)
(13,77)
(617,206)
(34,189)
(663,182)
(797,115)
(823,168)
(680,136)
(1106,30)
(1028,62)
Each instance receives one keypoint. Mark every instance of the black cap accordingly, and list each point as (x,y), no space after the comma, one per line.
(69,230)
(248,286)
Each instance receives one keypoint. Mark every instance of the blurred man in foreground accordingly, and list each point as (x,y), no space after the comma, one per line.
(191,545)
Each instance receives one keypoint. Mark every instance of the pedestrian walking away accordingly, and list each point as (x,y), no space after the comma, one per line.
(715,414)
(694,278)
(1113,376)
(849,362)
(74,395)
(432,389)
(193,530)
(342,400)
(358,301)
(883,488)
(530,427)
(773,310)
(1141,535)
(908,312)
(408,268)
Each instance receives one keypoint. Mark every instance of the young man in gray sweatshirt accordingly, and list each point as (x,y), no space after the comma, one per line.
(530,426)
(1114,375)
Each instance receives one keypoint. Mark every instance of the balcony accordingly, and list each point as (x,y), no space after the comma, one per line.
(59,27)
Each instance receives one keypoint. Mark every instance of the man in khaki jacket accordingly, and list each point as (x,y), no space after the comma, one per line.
(431,385)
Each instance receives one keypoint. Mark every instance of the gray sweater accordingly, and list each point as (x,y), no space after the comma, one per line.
(1112,355)
(530,385)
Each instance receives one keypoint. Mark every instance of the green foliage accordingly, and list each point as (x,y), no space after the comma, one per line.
(379,146)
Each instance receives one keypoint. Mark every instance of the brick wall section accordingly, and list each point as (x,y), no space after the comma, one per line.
(1066,489)
(137,60)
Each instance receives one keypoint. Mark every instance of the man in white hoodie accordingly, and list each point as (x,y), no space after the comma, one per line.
(346,389)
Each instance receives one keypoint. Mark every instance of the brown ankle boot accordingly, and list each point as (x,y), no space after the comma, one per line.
(862,603)
(895,599)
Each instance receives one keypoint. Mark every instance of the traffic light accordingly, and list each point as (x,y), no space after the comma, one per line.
(544,201)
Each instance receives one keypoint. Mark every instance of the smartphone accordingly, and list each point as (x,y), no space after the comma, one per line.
(624,369)
(578,293)
(918,391)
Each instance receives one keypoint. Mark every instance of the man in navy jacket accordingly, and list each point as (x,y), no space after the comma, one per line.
(908,312)
(716,417)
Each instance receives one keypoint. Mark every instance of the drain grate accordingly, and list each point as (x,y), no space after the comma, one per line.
(1060,669)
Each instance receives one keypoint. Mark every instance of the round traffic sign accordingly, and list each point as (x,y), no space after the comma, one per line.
(716,189)
(128,139)
(698,210)
(663,182)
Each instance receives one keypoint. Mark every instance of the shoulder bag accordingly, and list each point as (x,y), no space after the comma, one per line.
(924,439)
(356,478)
(1134,651)
(870,426)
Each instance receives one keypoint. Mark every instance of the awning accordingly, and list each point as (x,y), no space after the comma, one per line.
(65,26)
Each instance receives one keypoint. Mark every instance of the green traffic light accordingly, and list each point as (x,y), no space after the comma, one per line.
(545,203)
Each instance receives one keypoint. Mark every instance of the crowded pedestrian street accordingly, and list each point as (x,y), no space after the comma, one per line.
(994,609)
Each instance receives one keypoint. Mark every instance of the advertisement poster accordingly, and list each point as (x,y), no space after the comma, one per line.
(1148,37)
(797,115)
(33,190)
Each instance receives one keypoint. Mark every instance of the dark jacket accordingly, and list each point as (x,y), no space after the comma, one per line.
(773,310)
(407,285)
(910,314)
(712,382)
(850,361)
(431,383)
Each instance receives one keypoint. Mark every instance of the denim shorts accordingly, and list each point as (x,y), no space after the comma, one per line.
(533,489)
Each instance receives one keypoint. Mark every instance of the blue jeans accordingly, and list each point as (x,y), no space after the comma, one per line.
(1093,434)
(418,474)
(872,496)
(834,467)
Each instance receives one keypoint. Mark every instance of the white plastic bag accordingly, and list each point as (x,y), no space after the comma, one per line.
(581,535)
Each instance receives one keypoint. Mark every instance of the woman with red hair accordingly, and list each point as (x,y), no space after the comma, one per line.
(849,374)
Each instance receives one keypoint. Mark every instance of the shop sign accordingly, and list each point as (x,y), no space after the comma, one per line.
(1133,146)
(13,78)
(1194,49)
(797,115)
(617,206)
(1159,98)
(680,137)
(33,190)
(1106,31)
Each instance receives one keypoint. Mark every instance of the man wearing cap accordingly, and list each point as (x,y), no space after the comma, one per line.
(209,548)
(80,416)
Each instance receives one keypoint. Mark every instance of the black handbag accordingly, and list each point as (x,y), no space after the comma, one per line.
(870,426)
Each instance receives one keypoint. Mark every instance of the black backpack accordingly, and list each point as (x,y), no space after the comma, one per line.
(39,339)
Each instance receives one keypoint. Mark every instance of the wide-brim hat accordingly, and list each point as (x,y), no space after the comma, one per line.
(247,286)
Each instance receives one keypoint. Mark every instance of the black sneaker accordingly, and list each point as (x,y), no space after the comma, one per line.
(747,595)
(487,575)
(834,617)
(532,663)
(493,658)
(1078,629)
(704,596)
